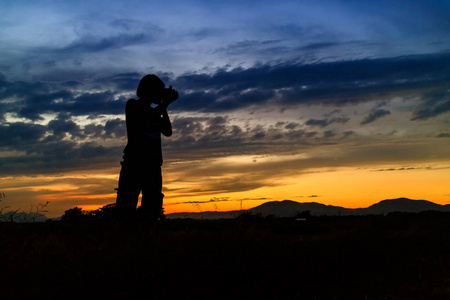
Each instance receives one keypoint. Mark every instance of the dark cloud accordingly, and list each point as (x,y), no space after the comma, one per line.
(212,200)
(120,82)
(19,135)
(443,135)
(93,130)
(317,46)
(291,125)
(35,104)
(63,125)
(375,115)
(314,122)
(61,145)
(32,100)
(93,104)
(326,122)
(188,126)
(282,85)
(115,128)
(333,83)
(58,156)
(349,133)
(433,104)
(398,169)
(329,134)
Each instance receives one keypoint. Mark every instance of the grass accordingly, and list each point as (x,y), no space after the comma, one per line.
(399,256)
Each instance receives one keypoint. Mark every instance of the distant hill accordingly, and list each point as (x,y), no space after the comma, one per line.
(288,208)
(404,205)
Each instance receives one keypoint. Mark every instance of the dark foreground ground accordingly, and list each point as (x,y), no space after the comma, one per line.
(399,256)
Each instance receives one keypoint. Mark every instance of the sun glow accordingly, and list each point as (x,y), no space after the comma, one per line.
(347,187)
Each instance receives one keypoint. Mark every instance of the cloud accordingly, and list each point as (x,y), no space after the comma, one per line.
(317,46)
(60,146)
(332,83)
(326,122)
(19,135)
(31,100)
(208,137)
(115,128)
(433,104)
(212,200)
(329,133)
(63,125)
(375,115)
(443,135)
(251,46)
(278,85)
(94,44)
(55,156)
(314,122)
(94,36)
(398,169)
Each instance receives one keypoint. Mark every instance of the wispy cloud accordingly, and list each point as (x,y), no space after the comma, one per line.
(375,115)
(433,104)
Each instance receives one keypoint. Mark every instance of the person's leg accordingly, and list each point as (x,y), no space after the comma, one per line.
(128,191)
(152,198)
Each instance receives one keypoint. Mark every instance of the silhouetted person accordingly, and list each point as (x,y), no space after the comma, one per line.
(142,159)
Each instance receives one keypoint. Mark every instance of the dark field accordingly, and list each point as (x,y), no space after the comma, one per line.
(399,256)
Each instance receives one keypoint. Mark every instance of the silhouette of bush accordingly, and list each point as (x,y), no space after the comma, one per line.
(106,212)
(72,214)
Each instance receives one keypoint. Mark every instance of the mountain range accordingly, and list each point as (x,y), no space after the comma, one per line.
(280,209)
(288,208)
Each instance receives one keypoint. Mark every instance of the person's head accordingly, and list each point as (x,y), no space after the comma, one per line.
(151,88)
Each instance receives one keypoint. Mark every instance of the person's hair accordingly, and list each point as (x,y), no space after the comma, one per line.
(148,85)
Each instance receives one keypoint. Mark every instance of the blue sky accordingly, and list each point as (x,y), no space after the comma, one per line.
(296,86)
(44,39)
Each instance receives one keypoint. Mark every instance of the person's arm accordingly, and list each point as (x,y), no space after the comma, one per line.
(166,126)
(161,110)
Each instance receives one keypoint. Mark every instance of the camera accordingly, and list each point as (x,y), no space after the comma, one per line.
(170,94)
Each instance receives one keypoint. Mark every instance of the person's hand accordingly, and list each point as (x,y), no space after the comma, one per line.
(170,96)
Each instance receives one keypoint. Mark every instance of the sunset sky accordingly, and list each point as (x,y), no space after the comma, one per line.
(338,102)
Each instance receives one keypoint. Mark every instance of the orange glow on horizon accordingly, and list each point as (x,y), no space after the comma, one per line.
(349,187)
(91,207)
(346,187)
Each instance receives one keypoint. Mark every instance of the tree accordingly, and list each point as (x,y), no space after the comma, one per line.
(72,214)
